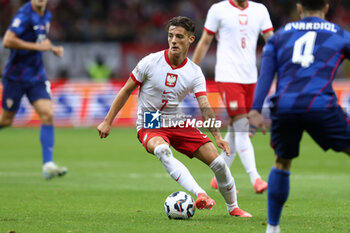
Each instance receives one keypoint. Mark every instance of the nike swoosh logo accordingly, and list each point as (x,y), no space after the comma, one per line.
(178,178)
(229,189)
(166,92)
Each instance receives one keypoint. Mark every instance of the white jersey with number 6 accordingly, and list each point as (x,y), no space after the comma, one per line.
(163,87)
(237,32)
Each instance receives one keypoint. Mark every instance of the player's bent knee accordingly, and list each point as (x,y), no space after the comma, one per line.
(282,164)
(162,151)
(164,154)
(6,118)
(154,142)
(6,122)
(47,118)
(207,153)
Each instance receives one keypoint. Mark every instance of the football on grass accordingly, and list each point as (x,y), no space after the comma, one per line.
(179,205)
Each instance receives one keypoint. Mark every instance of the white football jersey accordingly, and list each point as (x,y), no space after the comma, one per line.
(163,87)
(237,32)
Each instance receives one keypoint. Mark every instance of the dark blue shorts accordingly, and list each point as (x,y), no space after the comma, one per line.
(13,92)
(330,129)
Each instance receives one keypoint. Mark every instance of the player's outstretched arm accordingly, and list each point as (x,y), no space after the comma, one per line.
(12,41)
(202,47)
(208,113)
(118,102)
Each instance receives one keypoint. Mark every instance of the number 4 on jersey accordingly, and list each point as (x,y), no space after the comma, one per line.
(303,49)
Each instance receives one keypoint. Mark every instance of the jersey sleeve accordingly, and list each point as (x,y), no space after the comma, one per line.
(199,84)
(211,24)
(267,72)
(19,23)
(140,71)
(266,24)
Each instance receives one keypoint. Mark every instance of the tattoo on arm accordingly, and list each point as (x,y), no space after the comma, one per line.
(207,113)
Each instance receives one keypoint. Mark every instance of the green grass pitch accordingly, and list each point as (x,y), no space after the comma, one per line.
(113,185)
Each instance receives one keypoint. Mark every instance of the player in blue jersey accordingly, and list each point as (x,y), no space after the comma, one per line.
(24,74)
(306,55)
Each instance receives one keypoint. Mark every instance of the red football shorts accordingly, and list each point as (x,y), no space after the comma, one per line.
(184,140)
(237,97)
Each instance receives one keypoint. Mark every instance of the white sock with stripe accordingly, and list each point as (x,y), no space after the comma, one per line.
(225,181)
(245,148)
(177,170)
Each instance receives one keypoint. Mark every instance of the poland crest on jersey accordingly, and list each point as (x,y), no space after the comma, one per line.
(243,19)
(170,80)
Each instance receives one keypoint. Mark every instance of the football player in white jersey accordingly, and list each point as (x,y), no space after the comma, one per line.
(236,24)
(165,78)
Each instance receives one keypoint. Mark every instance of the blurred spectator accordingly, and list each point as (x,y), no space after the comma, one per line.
(98,70)
(142,20)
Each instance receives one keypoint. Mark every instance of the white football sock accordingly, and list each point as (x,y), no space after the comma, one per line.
(230,137)
(177,170)
(244,148)
(225,181)
(273,229)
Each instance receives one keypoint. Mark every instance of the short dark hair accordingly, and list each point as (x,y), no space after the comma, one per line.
(313,4)
(182,21)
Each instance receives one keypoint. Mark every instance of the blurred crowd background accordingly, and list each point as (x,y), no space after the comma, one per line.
(104,40)
(122,25)
(143,20)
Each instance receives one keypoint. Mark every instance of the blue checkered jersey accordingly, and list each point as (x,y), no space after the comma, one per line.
(27,65)
(306,55)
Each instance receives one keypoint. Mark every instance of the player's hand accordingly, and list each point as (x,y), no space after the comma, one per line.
(45,45)
(104,129)
(224,145)
(58,50)
(256,120)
